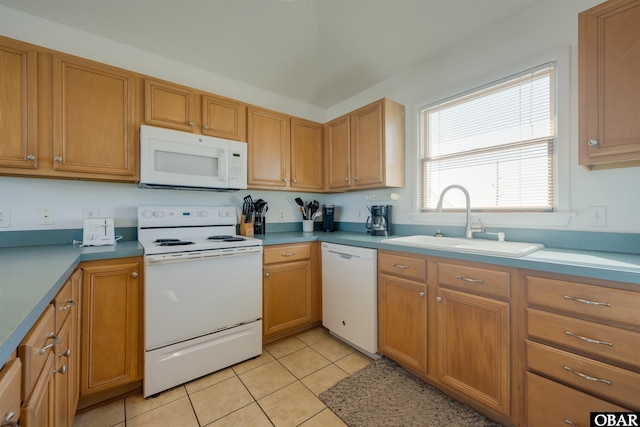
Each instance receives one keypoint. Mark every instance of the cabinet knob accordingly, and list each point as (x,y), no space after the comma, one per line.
(7,421)
(57,159)
(295,181)
(68,304)
(66,353)
(346,179)
(134,274)
(62,370)
(592,143)
(421,294)
(355,178)
(284,179)
(31,157)
(190,124)
(267,274)
(205,127)
(438,299)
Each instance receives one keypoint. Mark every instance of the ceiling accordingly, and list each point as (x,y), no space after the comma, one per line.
(320,52)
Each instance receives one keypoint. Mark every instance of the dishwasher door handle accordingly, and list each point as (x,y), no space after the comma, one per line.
(343,255)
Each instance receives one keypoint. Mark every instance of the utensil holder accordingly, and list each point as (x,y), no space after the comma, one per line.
(307,225)
(246,228)
(260,226)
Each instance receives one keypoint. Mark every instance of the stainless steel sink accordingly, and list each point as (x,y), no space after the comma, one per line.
(459,244)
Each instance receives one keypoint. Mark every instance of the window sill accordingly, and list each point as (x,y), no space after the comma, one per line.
(520,220)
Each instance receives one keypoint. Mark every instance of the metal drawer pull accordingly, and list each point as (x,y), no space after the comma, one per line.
(589,340)
(70,303)
(466,279)
(586,301)
(400,266)
(7,421)
(288,254)
(571,423)
(55,341)
(586,377)
(62,370)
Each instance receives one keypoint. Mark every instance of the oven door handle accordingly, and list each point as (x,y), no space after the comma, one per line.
(196,256)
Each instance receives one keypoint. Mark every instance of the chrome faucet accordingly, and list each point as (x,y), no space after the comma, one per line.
(469,228)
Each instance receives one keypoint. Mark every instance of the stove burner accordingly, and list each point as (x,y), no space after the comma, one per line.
(171,242)
(226,238)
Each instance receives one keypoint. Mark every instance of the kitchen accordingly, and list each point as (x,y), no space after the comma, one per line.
(459,68)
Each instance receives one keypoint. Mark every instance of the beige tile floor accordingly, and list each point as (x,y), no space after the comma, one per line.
(278,388)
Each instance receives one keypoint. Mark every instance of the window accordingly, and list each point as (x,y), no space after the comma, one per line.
(496,141)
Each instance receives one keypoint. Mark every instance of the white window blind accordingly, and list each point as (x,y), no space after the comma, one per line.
(496,141)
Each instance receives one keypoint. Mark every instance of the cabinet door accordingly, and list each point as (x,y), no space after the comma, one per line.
(287,296)
(111,325)
(609,94)
(306,155)
(367,150)
(224,118)
(473,347)
(268,148)
(94,120)
(402,321)
(169,105)
(62,377)
(18,144)
(338,153)
(39,409)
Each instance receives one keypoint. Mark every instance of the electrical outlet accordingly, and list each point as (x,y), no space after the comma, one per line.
(90,212)
(46,216)
(281,216)
(597,216)
(5,218)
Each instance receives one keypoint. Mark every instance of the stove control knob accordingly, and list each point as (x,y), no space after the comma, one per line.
(221,213)
(229,214)
(158,214)
(203,214)
(147,213)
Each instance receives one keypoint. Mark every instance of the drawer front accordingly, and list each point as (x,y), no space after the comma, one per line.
(606,381)
(594,301)
(286,253)
(10,391)
(551,404)
(481,280)
(63,303)
(35,348)
(613,343)
(403,265)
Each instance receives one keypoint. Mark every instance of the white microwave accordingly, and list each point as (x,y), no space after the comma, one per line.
(182,160)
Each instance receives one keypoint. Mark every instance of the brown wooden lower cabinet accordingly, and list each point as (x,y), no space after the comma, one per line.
(112,349)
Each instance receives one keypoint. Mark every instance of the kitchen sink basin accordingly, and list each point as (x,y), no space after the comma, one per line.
(460,244)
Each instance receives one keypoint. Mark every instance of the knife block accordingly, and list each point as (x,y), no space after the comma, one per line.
(246,228)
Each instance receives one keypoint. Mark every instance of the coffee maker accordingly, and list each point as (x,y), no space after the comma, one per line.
(328,212)
(379,223)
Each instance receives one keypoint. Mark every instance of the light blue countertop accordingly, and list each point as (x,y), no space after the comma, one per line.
(31,276)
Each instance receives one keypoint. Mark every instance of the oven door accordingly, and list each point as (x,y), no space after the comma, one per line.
(190,295)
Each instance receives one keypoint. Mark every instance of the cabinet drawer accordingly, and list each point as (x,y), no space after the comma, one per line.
(481,280)
(286,253)
(63,303)
(404,265)
(606,381)
(10,391)
(552,404)
(35,348)
(594,301)
(613,343)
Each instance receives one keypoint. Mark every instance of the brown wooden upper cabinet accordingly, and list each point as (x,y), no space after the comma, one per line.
(284,152)
(18,97)
(182,108)
(609,94)
(94,132)
(365,148)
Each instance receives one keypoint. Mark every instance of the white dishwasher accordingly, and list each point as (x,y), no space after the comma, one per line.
(349,295)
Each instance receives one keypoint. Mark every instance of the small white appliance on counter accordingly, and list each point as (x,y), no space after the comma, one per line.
(182,160)
(202,293)
(98,232)
(349,295)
